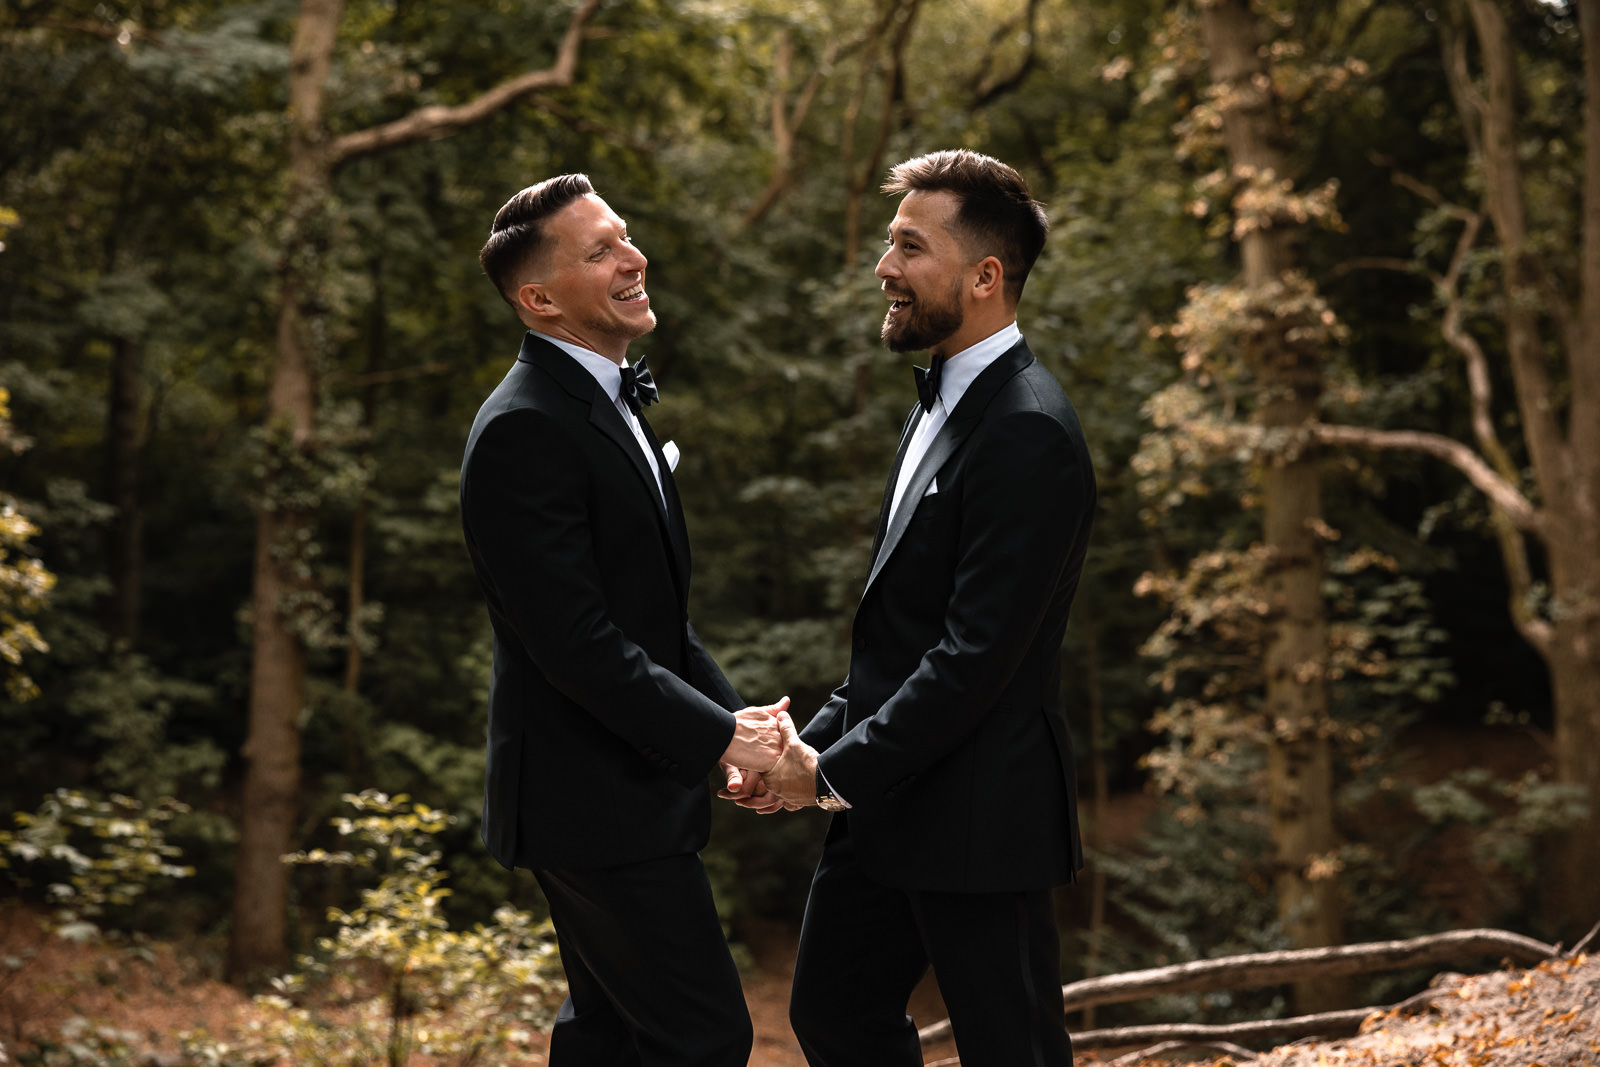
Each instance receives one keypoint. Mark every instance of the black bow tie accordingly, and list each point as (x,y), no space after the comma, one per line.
(928,383)
(638,388)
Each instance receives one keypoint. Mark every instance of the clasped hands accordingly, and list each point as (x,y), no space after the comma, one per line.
(767,767)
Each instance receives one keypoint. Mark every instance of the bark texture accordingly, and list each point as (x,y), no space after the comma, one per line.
(258,944)
(1300,763)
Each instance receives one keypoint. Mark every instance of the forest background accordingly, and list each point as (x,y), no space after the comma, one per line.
(1323,282)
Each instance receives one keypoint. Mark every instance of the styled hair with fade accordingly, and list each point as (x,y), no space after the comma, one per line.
(995,215)
(516,239)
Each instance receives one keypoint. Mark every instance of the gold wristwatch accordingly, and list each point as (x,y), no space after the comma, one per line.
(825,798)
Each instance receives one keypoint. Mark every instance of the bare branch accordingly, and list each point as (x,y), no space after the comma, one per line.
(1273,968)
(436,121)
(985,94)
(1238,1052)
(786,123)
(1578,949)
(1326,1024)
(1501,493)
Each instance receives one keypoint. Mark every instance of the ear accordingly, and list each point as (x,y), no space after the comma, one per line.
(990,281)
(535,300)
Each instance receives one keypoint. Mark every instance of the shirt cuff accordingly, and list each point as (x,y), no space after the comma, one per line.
(830,788)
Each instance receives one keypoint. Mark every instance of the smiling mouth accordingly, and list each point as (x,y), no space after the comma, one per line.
(634,293)
(897,303)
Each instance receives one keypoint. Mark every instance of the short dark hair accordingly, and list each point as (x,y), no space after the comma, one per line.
(516,239)
(995,215)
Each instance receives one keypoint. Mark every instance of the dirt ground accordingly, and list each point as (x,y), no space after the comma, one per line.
(159,992)
(1548,1016)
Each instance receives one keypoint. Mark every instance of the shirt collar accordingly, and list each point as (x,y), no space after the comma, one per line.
(607,373)
(961,369)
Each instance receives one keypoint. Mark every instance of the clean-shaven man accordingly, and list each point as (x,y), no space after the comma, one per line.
(946,753)
(606,714)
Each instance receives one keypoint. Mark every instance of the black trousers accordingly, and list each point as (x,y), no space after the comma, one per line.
(650,981)
(864,946)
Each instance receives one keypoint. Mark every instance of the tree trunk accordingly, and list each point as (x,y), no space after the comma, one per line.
(1575,570)
(1573,656)
(1565,459)
(1300,764)
(258,944)
(124,443)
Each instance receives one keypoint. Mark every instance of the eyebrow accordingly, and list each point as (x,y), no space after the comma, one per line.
(908,230)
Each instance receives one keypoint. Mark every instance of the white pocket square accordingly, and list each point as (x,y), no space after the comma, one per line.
(670,450)
(933,487)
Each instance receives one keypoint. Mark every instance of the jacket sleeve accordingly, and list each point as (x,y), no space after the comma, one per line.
(1025,498)
(707,677)
(827,725)
(524,493)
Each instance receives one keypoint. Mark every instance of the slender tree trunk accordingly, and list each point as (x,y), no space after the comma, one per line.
(1300,765)
(1565,459)
(1575,646)
(259,942)
(124,445)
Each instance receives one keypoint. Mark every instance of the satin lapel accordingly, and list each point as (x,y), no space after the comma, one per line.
(608,420)
(967,415)
(605,417)
(676,526)
(906,433)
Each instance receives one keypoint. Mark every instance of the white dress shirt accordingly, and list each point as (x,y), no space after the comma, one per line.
(609,375)
(959,372)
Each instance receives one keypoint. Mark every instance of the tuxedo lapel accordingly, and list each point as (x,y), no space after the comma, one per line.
(906,433)
(676,527)
(604,416)
(966,416)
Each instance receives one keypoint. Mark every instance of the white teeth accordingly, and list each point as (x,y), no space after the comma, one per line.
(630,294)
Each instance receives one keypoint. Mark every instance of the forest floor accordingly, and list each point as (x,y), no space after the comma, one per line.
(1547,1016)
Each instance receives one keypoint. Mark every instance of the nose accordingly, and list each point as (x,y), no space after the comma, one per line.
(635,260)
(884,269)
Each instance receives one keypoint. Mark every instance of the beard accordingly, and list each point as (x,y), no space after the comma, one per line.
(925,322)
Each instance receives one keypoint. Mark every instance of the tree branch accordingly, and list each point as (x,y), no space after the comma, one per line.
(437,121)
(985,94)
(1133,1059)
(1501,493)
(786,123)
(1273,968)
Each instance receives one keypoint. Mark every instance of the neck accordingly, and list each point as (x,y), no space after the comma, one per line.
(973,330)
(614,349)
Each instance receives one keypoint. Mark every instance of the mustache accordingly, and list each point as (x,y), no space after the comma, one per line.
(898,294)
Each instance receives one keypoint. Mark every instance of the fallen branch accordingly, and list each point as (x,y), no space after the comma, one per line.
(1290,965)
(1326,1024)
(1227,1048)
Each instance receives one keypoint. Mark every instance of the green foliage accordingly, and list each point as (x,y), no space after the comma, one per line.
(92,855)
(394,979)
(146,145)
(25,584)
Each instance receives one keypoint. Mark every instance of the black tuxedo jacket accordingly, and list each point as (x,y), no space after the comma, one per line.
(948,738)
(605,712)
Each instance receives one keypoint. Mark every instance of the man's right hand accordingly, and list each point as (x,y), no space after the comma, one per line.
(757,741)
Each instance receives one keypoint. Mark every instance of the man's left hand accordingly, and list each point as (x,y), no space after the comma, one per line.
(794,779)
